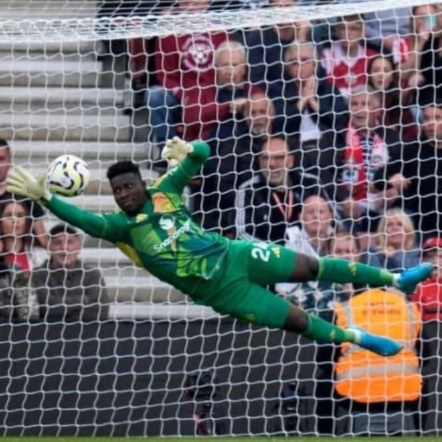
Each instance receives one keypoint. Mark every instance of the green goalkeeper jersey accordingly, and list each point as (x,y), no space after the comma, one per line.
(162,238)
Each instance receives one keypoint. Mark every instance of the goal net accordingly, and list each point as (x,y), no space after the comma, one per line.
(323,120)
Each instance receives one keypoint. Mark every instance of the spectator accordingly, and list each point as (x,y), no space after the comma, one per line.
(321,297)
(272,199)
(34,209)
(416,173)
(309,104)
(394,245)
(346,61)
(349,171)
(429,89)
(230,93)
(384,28)
(234,147)
(407,51)
(186,78)
(428,296)
(267,47)
(15,226)
(378,395)
(396,102)
(16,297)
(312,235)
(67,289)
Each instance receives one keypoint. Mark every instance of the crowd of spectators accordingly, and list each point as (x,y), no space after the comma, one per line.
(326,137)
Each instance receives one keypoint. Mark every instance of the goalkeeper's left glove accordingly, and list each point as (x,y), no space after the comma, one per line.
(176,150)
(21,182)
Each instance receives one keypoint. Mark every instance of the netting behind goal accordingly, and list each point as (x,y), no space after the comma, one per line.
(323,121)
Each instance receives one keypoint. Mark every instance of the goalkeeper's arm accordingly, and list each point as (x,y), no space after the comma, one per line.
(94,225)
(187,159)
(21,182)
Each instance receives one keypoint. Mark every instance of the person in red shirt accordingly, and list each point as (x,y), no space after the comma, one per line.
(346,60)
(15,226)
(185,74)
(428,295)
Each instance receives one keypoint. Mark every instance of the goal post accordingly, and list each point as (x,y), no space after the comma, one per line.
(78,77)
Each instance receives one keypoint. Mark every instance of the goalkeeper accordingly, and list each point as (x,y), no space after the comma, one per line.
(154,228)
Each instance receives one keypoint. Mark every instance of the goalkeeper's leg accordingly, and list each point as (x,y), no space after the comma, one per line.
(270,264)
(253,303)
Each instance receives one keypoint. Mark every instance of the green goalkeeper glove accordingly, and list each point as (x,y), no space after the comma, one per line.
(21,182)
(175,151)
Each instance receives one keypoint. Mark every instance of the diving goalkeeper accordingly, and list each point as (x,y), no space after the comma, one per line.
(154,228)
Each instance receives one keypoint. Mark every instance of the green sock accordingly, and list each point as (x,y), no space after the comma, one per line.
(342,271)
(323,331)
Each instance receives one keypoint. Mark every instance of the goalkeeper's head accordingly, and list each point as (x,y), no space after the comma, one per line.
(127,186)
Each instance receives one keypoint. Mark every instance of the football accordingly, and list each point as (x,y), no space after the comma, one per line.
(68,175)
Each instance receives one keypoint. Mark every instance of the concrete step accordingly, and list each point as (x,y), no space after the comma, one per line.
(55,109)
(41,56)
(50,73)
(121,292)
(65,127)
(51,47)
(43,152)
(140,310)
(57,97)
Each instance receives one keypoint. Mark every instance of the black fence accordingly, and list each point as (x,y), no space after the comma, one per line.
(133,379)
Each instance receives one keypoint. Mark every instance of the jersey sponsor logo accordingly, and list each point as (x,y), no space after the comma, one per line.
(167,223)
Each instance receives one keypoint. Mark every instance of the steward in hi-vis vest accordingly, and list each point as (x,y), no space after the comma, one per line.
(368,378)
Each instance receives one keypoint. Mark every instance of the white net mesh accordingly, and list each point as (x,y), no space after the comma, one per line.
(347,93)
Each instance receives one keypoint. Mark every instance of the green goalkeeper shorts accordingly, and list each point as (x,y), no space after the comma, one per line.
(237,290)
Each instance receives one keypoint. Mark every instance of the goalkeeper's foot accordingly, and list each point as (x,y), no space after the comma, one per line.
(377,344)
(409,279)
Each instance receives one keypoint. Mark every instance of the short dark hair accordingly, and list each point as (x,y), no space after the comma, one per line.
(58,229)
(122,167)
(4,144)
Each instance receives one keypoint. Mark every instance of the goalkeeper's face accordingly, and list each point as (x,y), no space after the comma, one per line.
(129,192)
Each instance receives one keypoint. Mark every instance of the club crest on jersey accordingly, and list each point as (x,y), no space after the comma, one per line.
(161,203)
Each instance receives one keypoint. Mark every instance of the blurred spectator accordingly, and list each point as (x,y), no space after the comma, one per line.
(349,171)
(234,149)
(320,297)
(396,114)
(346,60)
(309,104)
(379,396)
(34,209)
(428,296)
(67,289)
(15,226)
(316,226)
(407,51)
(416,173)
(384,28)
(271,201)
(267,47)
(230,93)
(394,244)
(429,89)
(17,300)
(186,77)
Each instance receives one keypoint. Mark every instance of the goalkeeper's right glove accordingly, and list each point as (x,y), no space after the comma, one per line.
(21,182)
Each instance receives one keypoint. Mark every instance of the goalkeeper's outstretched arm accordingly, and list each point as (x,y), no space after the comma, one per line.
(93,224)
(21,182)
